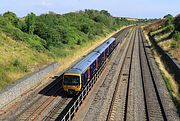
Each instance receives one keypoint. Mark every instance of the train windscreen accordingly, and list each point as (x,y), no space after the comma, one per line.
(71,80)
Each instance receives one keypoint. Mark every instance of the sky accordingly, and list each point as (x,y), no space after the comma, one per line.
(118,8)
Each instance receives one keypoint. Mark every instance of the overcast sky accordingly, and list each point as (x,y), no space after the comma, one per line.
(124,8)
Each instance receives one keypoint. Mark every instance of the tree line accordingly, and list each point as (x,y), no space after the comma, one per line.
(53,32)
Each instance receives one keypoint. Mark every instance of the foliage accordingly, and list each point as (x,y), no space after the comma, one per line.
(17,64)
(11,17)
(50,31)
(177,23)
(30,22)
(174,44)
(176,36)
(169,28)
(169,19)
(168,16)
(15,33)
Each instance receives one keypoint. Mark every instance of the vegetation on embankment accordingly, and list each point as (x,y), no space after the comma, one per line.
(167,35)
(32,41)
(171,83)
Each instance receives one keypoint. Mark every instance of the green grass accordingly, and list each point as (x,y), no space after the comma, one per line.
(18,59)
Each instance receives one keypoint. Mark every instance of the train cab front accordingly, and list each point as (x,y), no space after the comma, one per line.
(72,83)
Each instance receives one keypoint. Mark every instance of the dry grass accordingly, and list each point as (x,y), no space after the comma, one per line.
(132,19)
(176,52)
(166,45)
(147,38)
(157,31)
(162,36)
(173,84)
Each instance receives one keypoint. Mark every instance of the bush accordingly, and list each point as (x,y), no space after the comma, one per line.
(18,65)
(79,42)
(169,28)
(174,44)
(176,36)
(52,30)
(169,19)
(177,23)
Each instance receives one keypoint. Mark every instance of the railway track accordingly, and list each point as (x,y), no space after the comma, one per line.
(117,106)
(136,95)
(42,103)
(154,108)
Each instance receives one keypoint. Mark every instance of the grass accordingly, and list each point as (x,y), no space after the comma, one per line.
(170,45)
(162,36)
(18,60)
(157,31)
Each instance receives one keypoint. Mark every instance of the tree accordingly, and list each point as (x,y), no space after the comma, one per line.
(167,16)
(177,22)
(85,28)
(105,12)
(169,19)
(10,16)
(30,22)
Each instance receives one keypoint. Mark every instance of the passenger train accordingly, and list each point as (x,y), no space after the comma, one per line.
(76,78)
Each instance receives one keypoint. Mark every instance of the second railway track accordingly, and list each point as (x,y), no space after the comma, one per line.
(119,100)
(136,96)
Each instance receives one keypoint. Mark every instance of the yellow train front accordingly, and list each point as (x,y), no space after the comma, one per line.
(76,78)
(72,82)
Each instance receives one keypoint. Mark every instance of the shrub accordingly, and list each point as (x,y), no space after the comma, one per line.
(169,28)
(177,23)
(16,63)
(169,19)
(79,42)
(174,44)
(52,30)
(176,36)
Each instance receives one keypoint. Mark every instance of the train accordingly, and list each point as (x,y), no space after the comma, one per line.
(76,78)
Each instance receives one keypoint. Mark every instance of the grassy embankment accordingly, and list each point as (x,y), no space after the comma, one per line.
(171,84)
(18,60)
(28,43)
(168,37)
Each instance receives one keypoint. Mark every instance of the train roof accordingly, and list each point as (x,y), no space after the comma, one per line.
(83,64)
(103,46)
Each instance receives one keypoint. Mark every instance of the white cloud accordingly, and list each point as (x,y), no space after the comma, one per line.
(46,3)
